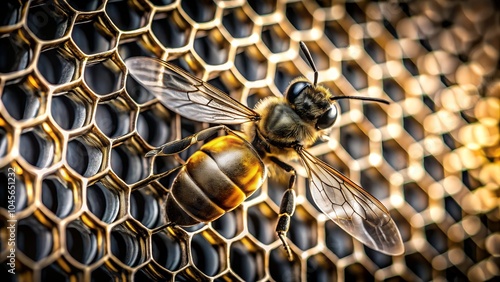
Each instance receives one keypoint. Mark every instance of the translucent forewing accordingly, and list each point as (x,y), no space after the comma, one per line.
(186,94)
(351,207)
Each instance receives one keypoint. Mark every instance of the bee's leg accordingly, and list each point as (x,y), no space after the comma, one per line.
(287,207)
(180,145)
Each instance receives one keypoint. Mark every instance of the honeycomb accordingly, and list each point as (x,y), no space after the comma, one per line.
(74,128)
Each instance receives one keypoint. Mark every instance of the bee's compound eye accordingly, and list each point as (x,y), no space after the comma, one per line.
(295,90)
(327,119)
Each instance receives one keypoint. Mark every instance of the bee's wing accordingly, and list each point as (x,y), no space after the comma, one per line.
(351,207)
(186,94)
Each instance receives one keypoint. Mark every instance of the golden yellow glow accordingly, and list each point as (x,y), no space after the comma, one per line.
(413,106)
(375,159)
(471,225)
(456,233)
(433,144)
(456,256)
(415,171)
(452,184)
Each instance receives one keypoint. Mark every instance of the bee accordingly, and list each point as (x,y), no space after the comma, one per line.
(228,169)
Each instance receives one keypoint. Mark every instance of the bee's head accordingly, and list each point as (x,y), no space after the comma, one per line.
(312,103)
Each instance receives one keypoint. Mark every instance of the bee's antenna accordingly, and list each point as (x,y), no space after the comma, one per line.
(378,100)
(310,61)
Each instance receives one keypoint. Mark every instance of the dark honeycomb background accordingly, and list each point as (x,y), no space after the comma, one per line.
(75,128)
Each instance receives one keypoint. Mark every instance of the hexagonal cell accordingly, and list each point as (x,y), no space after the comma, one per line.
(410,66)
(437,238)
(104,77)
(380,259)
(113,117)
(261,223)
(237,23)
(134,48)
(414,128)
(375,183)
(393,89)
(161,2)
(354,74)
(54,272)
(154,125)
(336,34)
(210,48)
(394,155)
(263,7)
(246,260)
(38,146)
(126,15)
(58,195)
(229,225)
(206,248)
(47,20)
(337,240)
(320,268)
(285,73)
(151,272)
(355,11)
(128,243)
(455,273)
(275,38)
(14,181)
(85,6)
(470,181)
(145,206)
(280,268)
(375,114)
(106,272)
(128,163)
(404,227)
(354,141)
(57,66)
(429,102)
(171,29)
(357,272)
(22,100)
(72,109)
(16,53)
(10,14)
(137,92)
(250,63)
(453,208)
(320,58)
(433,167)
(168,250)
(303,229)
(103,201)
(374,50)
(5,141)
(298,15)
(199,11)
(419,266)
(83,240)
(449,141)
(84,154)
(415,196)
(276,188)
(34,238)
(94,36)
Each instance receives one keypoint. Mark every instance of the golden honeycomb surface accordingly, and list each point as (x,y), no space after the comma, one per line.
(74,128)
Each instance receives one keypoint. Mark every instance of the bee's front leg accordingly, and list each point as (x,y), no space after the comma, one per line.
(287,207)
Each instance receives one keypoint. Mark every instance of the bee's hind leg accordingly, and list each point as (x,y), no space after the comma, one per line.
(287,207)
